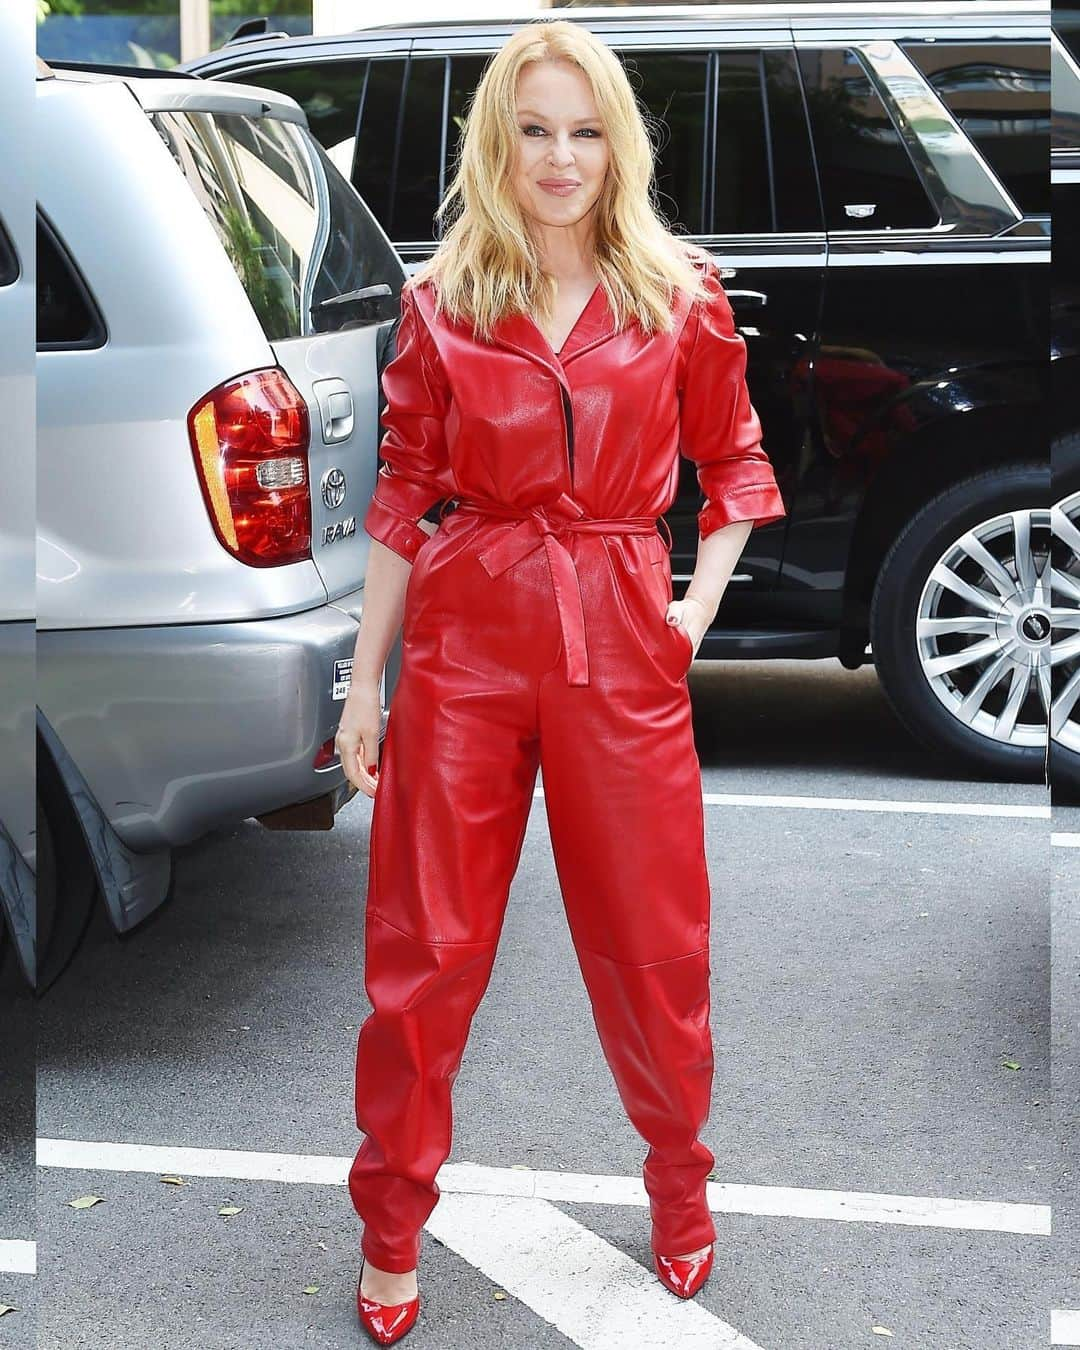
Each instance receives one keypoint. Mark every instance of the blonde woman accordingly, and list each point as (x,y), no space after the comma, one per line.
(554,357)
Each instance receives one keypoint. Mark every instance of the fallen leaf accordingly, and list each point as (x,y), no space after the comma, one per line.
(226,1210)
(85,1201)
(6,1307)
(881,1331)
(499,1295)
(311,1288)
(1009,1064)
(174,1181)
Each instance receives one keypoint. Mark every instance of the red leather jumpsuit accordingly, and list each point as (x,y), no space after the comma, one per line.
(534,638)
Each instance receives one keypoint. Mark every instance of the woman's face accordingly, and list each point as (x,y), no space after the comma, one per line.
(561,140)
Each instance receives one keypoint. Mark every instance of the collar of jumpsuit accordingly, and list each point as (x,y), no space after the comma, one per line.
(494,427)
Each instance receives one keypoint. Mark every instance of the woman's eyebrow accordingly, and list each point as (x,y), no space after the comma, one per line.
(531,112)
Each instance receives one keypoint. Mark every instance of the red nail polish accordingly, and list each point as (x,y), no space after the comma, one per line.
(372,769)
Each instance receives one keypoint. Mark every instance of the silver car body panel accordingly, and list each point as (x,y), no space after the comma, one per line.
(179,689)
(123,533)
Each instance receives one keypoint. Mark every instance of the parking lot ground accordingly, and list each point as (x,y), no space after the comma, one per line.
(877,973)
(1065,1073)
(18,1227)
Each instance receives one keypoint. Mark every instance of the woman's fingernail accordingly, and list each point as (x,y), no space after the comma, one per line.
(372,769)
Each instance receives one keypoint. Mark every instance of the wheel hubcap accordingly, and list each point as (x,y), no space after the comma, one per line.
(984,627)
(1065,617)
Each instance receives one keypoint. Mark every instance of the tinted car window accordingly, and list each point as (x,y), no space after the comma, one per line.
(66,316)
(862,161)
(1066,23)
(261,182)
(421,150)
(328,91)
(376,171)
(1065,114)
(794,200)
(9,262)
(758,182)
(1000,94)
(672,87)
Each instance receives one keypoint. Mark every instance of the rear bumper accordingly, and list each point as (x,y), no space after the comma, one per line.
(181,729)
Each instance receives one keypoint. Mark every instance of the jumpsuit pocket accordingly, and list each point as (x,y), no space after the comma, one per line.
(678,638)
(688,645)
(435,590)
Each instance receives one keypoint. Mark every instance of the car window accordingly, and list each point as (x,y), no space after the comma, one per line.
(376,172)
(262,183)
(1066,24)
(9,261)
(999,93)
(66,315)
(329,93)
(673,89)
(868,180)
(1065,117)
(762,178)
(795,204)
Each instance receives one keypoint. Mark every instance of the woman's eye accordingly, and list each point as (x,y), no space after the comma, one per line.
(584,131)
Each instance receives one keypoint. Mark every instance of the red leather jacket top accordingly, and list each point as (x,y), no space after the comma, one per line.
(601,423)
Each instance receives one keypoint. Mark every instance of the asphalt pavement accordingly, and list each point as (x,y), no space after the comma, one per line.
(889,1153)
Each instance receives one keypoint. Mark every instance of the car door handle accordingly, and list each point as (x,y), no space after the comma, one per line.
(757,298)
(335,409)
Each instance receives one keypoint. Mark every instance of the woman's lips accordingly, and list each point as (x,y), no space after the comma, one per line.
(560,189)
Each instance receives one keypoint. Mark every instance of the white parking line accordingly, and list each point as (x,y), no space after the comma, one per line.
(596,1295)
(528,1183)
(1065,1326)
(887,804)
(1065,840)
(18,1258)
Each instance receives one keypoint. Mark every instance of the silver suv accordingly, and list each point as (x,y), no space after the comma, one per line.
(215,303)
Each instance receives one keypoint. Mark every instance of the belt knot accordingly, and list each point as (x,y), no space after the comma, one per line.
(545,527)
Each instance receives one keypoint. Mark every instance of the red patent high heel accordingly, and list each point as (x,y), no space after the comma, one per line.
(385,1322)
(684,1278)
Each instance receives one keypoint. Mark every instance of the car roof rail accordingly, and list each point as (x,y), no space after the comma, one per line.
(107,68)
(252,29)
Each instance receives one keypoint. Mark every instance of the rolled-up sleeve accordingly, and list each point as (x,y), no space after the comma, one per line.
(415,473)
(719,428)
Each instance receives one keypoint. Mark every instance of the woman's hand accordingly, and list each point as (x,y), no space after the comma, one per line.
(357,739)
(694,615)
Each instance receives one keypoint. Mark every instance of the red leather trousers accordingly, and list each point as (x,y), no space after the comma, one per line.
(536,640)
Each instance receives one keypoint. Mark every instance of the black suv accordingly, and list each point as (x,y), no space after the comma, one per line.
(874,186)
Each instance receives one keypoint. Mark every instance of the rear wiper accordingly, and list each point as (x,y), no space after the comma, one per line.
(351,297)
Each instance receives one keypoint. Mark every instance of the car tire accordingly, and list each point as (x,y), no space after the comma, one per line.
(66,882)
(919,627)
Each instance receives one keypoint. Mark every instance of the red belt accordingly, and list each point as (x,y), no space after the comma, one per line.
(543,525)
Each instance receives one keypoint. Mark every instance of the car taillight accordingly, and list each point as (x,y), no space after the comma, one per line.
(250,439)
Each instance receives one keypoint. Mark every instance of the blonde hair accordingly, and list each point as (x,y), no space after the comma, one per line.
(486,265)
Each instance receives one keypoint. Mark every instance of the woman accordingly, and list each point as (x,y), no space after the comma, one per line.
(553,358)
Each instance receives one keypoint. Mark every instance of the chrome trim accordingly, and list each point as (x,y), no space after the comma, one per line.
(943,154)
(689,576)
(920,9)
(890,257)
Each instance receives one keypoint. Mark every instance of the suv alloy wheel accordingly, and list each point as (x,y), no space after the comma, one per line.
(960,621)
